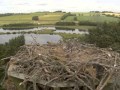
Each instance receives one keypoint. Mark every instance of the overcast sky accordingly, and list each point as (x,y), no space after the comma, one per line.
(53,5)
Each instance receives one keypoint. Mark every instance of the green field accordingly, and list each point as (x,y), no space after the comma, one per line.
(78,27)
(93,17)
(52,18)
(49,18)
(45,18)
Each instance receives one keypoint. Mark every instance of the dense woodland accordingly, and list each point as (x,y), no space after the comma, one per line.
(106,35)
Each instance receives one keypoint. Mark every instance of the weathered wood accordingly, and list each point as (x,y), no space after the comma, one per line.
(22,76)
(68,65)
(57,88)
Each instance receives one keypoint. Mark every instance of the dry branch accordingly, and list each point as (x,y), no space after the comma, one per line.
(67,62)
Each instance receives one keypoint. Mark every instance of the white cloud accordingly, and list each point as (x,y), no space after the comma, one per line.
(51,5)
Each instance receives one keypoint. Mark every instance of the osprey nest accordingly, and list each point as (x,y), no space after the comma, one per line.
(71,63)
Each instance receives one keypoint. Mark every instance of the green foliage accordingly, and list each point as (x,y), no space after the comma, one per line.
(81,28)
(75,18)
(64,28)
(7,14)
(65,24)
(27,18)
(43,31)
(19,26)
(92,17)
(88,23)
(35,18)
(59,11)
(106,35)
(116,46)
(69,36)
(1,88)
(111,15)
(104,41)
(11,47)
(66,15)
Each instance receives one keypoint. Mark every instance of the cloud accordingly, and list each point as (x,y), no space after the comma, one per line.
(22,4)
(52,5)
(42,4)
(1,2)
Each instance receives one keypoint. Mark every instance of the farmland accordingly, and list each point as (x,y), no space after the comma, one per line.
(45,18)
(86,20)
(50,18)
(93,17)
(111,13)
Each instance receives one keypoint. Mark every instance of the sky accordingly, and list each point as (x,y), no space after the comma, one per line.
(26,6)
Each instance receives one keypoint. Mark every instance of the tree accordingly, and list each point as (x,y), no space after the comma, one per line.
(35,18)
(105,41)
(106,35)
(6,50)
(75,18)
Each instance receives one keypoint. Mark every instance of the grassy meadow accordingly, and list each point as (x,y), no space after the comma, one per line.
(115,14)
(50,18)
(78,27)
(45,18)
(93,17)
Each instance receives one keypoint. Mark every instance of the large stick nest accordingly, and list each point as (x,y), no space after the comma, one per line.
(65,62)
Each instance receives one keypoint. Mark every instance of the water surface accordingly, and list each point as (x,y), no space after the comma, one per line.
(76,31)
(32,38)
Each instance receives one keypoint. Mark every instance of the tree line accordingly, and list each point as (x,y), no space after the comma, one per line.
(66,15)
(9,49)
(106,35)
(7,14)
(19,26)
(65,24)
(83,23)
(88,23)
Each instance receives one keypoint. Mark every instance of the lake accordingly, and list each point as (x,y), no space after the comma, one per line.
(76,31)
(40,38)
(32,38)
